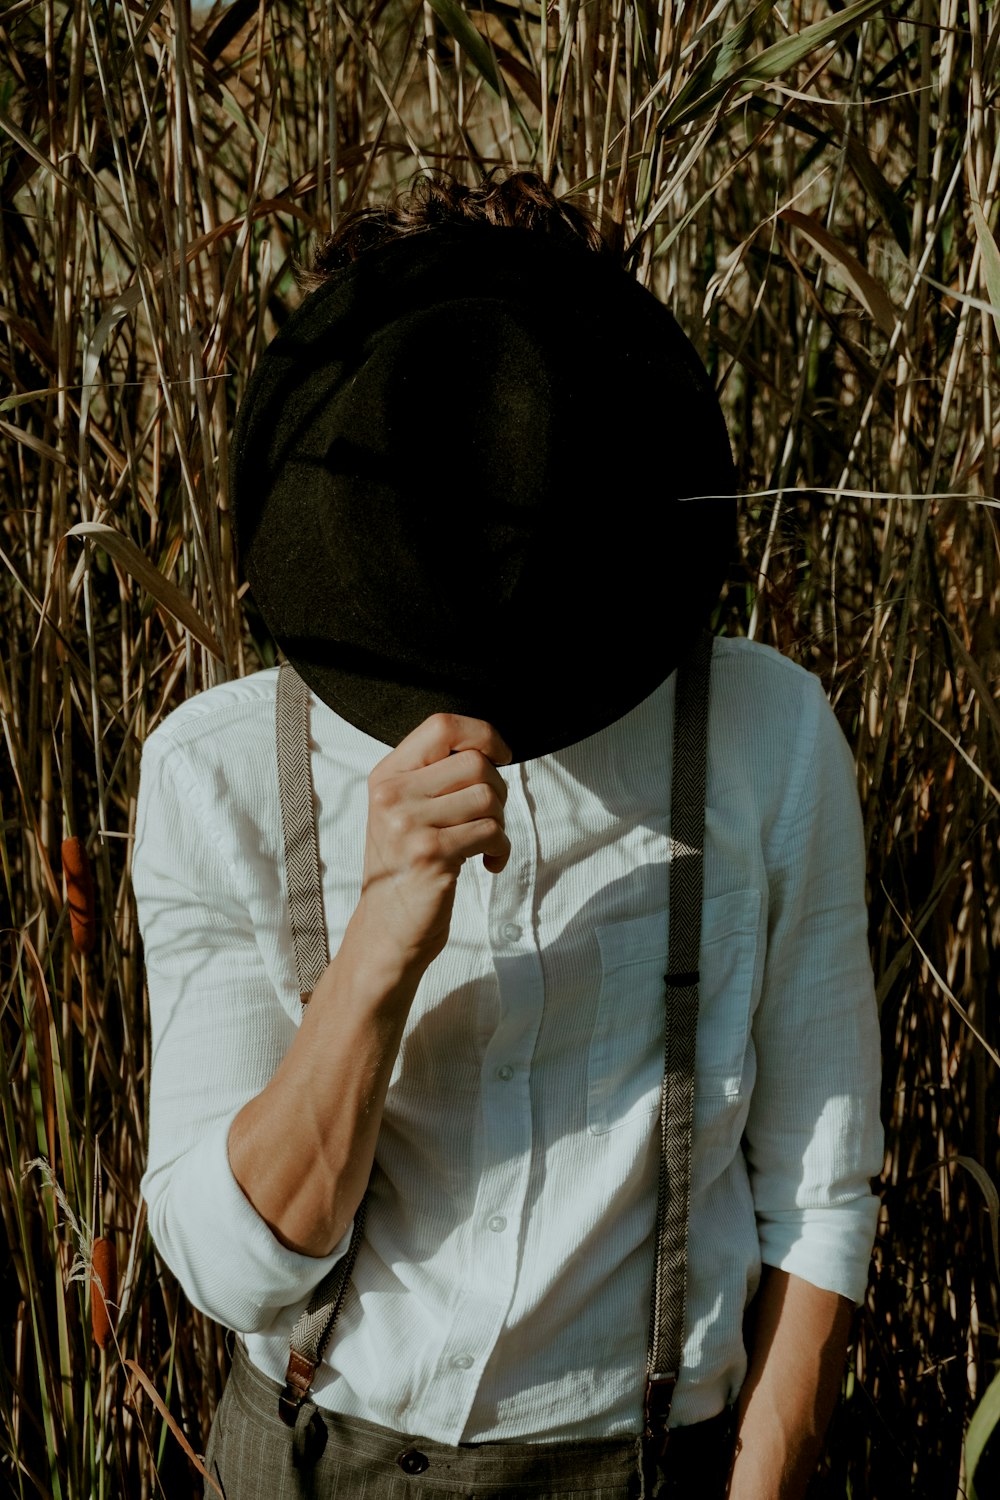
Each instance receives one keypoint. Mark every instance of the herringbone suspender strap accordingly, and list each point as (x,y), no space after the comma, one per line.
(312,954)
(298,821)
(685,878)
(312,1331)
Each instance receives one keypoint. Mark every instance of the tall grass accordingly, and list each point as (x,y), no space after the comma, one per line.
(812,189)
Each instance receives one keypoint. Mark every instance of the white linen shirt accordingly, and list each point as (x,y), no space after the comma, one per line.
(502,1286)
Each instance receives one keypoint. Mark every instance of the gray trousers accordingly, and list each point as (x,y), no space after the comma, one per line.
(252,1455)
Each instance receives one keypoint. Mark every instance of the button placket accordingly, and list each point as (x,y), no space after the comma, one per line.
(515,955)
(490,1270)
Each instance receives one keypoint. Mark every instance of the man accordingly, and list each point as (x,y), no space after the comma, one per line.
(460,481)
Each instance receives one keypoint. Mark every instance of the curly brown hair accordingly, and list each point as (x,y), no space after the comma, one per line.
(521,200)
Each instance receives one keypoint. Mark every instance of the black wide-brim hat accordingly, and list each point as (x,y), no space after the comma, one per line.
(459,480)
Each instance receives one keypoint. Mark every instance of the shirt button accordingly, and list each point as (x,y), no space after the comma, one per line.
(498,1223)
(511,931)
(462,1362)
(506,1073)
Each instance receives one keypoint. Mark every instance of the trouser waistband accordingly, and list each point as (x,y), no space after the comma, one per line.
(382,1462)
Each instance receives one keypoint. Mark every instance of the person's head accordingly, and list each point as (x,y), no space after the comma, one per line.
(459,473)
(519,200)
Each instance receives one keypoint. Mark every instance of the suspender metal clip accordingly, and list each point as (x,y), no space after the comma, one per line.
(659,1398)
(655,1434)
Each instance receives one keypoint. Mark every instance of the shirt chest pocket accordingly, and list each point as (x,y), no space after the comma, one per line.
(625,1065)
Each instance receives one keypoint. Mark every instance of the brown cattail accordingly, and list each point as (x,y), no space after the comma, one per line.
(103,1290)
(80,894)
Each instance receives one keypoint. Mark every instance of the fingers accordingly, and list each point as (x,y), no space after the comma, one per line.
(402,808)
(441,779)
(472,804)
(463,768)
(437,798)
(485,837)
(443,735)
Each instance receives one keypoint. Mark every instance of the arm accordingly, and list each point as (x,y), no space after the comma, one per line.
(813,1140)
(796,1339)
(221,1038)
(302,1149)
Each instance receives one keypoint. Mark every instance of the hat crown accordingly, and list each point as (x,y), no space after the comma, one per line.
(457,485)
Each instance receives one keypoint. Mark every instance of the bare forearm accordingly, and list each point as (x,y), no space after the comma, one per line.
(302,1149)
(797,1341)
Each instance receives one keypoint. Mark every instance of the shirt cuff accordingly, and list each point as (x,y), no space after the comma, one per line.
(829,1247)
(230,1264)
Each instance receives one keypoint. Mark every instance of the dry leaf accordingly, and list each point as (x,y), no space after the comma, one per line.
(125,551)
(870,293)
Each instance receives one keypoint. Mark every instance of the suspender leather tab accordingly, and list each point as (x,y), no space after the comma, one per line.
(299,1375)
(683,981)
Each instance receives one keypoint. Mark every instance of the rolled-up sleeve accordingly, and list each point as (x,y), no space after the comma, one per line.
(218,1033)
(813,1138)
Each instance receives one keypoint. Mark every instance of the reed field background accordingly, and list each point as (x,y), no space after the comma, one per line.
(814,190)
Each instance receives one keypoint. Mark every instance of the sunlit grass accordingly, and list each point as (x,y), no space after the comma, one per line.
(816,206)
